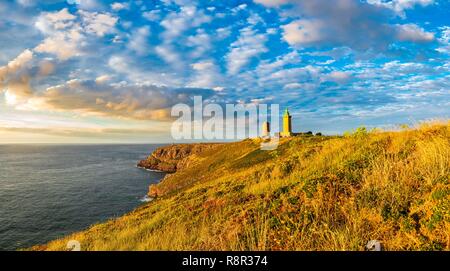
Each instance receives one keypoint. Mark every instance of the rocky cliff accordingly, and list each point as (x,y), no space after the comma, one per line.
(174,157)
(311,193)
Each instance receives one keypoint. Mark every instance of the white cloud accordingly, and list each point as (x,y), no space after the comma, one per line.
(248,45)
(136,73)
(98,23)
(14,79)
(295,86)
(87,4)
(168,54)
(272,31)
(120,6)
(102,79)
(397,67)
(64,34)
(337,76)
(444,40)
(63,44)
(412,32)
(327,62)
(266,68)
(128,101)
(177,22)
(239,8)
(304,32)
(201,66)
(223,32)
(16,64)
(399,6)
(207,75)
(290,75)
(272,3)
(46,67)
(97,97)
(49,22)
(255,19)
(27,3)
(152,15)
(139,41)
(201,43)
(119,63)
(355,24)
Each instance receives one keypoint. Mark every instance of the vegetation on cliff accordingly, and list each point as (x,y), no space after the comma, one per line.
(312,193)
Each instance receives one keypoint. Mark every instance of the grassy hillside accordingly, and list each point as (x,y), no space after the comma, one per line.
(312,193)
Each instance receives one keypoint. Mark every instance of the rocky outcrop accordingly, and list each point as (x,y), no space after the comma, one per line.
(174,157)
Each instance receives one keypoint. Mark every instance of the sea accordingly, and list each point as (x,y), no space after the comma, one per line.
(49,191)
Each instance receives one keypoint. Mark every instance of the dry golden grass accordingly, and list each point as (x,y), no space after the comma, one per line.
(312,193)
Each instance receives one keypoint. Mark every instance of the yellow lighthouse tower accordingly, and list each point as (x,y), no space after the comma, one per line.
(287,125)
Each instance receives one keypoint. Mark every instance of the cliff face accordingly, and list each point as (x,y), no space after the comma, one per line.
(174,157)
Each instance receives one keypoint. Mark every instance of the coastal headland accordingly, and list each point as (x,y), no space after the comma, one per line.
(311,193)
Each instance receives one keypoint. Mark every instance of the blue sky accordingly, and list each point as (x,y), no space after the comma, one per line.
(109,71)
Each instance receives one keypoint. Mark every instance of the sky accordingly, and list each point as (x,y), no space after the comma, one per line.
(92,71)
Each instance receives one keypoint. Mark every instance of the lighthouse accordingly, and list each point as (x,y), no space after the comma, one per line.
(287,124)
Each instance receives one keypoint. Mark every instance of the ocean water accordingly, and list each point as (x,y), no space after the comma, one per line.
(48,191)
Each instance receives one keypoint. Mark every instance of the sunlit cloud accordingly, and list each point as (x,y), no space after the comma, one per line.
(111,63)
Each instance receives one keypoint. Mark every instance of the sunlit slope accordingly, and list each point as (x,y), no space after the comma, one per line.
(312,193)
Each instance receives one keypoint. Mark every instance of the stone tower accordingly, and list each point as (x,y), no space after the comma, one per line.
(287,125)
(265,129)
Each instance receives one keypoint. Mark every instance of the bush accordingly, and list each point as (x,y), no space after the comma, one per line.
(359,132)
